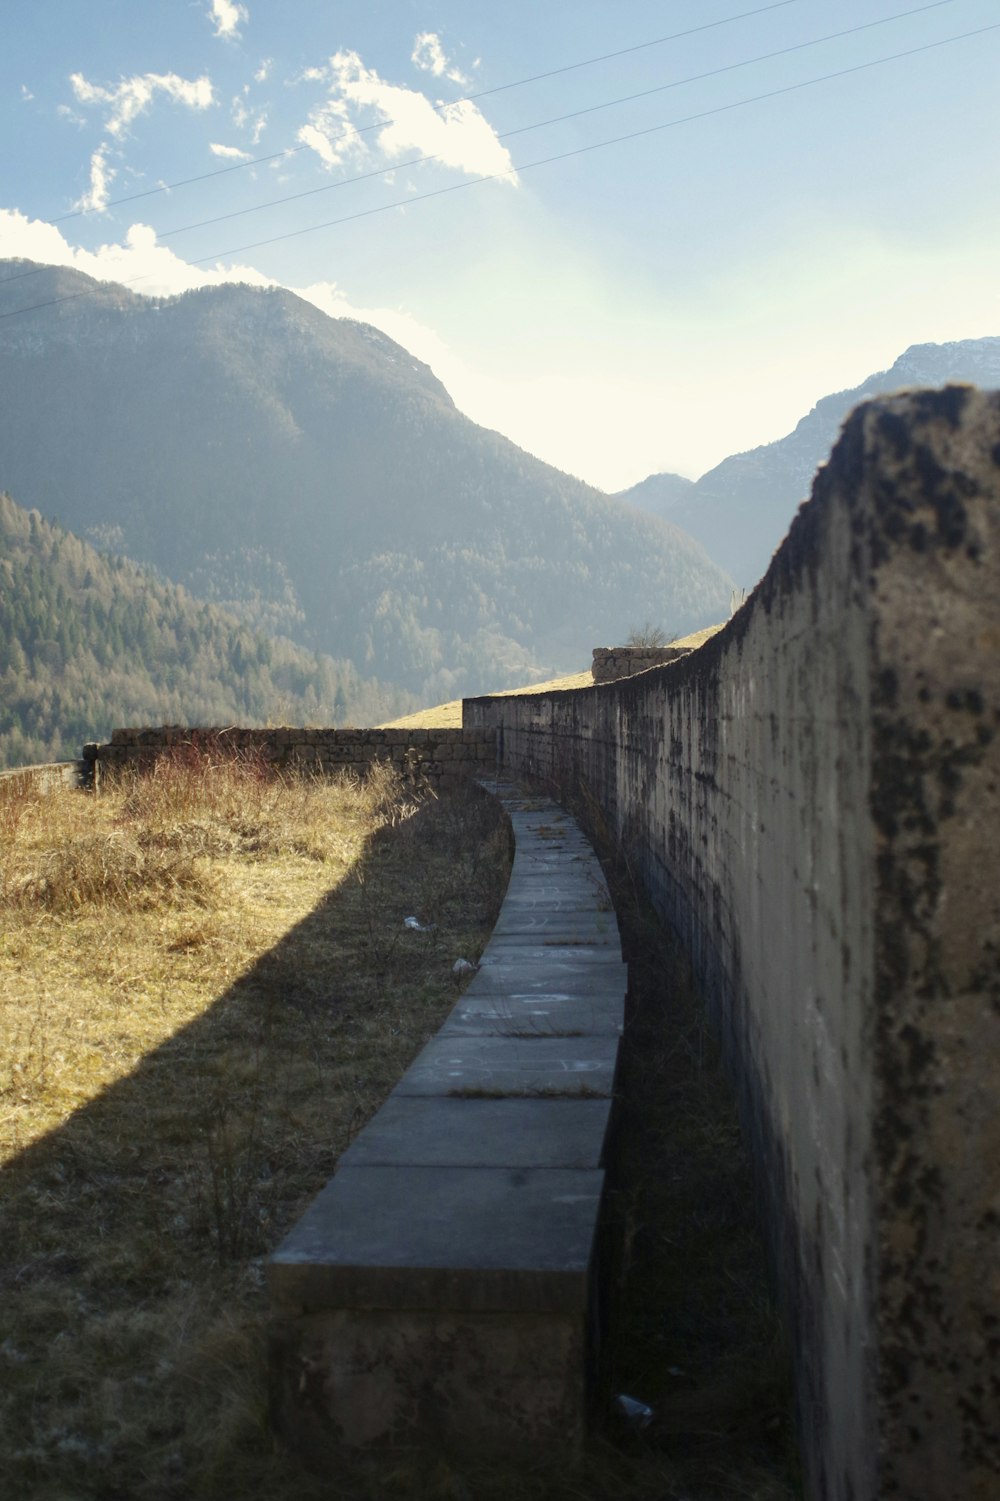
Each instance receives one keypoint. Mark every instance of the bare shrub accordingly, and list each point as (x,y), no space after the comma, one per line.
(649,636)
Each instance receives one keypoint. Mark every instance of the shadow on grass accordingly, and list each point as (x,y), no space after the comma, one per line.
(132,1236)
(132,1352)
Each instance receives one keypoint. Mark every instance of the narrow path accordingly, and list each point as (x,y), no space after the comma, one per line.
(439,1289)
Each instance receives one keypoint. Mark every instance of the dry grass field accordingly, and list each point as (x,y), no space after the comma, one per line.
(206,988)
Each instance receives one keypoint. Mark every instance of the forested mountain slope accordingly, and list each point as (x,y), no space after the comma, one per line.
(88,642)
(311,474)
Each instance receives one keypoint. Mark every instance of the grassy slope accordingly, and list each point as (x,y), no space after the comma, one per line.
(449,715)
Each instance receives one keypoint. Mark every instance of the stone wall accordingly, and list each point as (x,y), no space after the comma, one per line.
(440,757)
(47,778)
(812,800)
(613,662)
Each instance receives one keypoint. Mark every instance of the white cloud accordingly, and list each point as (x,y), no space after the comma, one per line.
(457,135)
(150,269)
(133,96)
(232,153)
(264,70)
(101,178)
(245,119)
(428,55)
(227,17)
(320,142)
(26,93)
(331,134)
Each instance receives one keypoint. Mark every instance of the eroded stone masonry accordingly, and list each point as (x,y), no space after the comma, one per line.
(613,662)
(438,757)
(812,800)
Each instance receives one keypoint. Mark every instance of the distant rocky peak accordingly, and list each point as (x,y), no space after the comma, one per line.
(972,360)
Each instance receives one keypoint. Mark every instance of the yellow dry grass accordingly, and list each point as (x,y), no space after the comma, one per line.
(449,716)
(206,988)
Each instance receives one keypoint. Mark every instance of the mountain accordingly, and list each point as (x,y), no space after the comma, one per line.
(88,642)
(311,475)
(659,494)
(741,509)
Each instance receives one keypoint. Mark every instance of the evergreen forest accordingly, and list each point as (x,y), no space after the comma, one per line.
(90,641)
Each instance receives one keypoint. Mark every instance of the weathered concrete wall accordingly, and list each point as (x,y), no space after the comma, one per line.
(812,801)
(441,757)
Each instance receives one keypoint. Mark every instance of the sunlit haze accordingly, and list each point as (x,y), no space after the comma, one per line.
(652,304)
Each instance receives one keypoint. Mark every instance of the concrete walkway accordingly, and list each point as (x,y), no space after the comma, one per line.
(439,1289)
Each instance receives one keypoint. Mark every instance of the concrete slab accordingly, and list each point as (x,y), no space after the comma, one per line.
(459,1065)
(424,1132)
(557,891)
(458,1239)
(523,969)
(556,929)
(559,887)
(539,842)
(437,1292)
(555,866)
(571,937)
(548,1013)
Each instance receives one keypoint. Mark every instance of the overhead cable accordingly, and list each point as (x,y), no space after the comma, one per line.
(416,161)
(456,187)
(517,83)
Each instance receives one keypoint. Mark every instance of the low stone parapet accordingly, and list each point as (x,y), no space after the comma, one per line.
(613,662)
(439,1292)
(436,756)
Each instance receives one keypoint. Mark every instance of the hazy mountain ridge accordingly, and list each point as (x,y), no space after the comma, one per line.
(88,642)
(741,509)
(659,494)
(311,474)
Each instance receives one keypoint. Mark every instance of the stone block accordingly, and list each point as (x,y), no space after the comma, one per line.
(552,1013)
(505,1133)
(486,1385)
(534,1064)
(454,1239)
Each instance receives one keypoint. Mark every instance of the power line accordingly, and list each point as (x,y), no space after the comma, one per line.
(596,145)
(540,162)
(499,88)
(504,135)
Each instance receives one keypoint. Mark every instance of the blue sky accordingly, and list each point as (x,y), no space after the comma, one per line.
(653,304)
